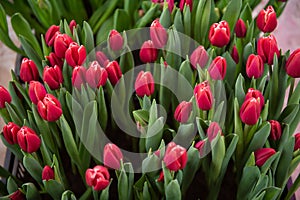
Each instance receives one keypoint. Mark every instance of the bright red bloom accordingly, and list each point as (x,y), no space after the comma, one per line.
(96,76)
(267,48)
(183,111)
(199,56)
(10,131)
(78,76)
(292,65)
(188,3)
(257,95)
(175,157)
(148,52)
(203,96)
(4,96)
(266,20)
(161,177)
(158,34)
(49,108)
(213,131)
(61,44)
(276,131)
(200,146)
(219,34)
(240,29)
(217,68)
(144,84)
(114,72)
(170,4)
(36,91)
(28,140)
(297,141)
(47,173)
(72,25)
(250,111)
(53,77)
(101,58)
(17,195)
(28,71)
(262,155)
(112,156)
(254,66)
(54,60)
(235,55)
(51,34)
(115,40)
(75,54)
(98,177)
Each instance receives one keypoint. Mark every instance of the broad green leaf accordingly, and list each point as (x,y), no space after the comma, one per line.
(88,37)
(232,13)
(249,178)
(31,191)
(173,191)
(33,167)
(54,188)
(11,185)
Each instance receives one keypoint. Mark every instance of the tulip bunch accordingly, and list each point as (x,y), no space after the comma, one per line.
(190,107)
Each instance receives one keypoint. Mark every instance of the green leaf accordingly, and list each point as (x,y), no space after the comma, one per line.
(269,162)
(102,110)
(123,185)
(187,21)
(249,178)
(239,89)
(178,23)
(173,191)
(246,14)
(186,70)
(122,20)
(272,193)
(11,185)
(33,167)
(295,97)
(289,113)
(146,192)
(165,17)
(54,188)
(154,134)
(205,19)
(88,37)
(232,13)
(231,69)
(104,30)
(15,117)
(68,195)
(148,17)
(31,191)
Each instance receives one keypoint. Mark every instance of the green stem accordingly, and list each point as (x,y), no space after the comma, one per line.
(291,88)
(95,195)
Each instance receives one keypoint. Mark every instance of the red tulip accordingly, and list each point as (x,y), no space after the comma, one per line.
(49,108)
(213,131)
(235,55)
(98,177)
(144,84)
(254,66)
(161,177)
(4,96)
(114,72)
(257,95)
(267,48)
(54,60)
(10,133)
(219,34)
(250,111)
(217,69)
(17,195)
(28,71)
(96,76)
(36,91)
(148,52)
(199,56)
(61,44)
(183,111)
(203,96)
(101,58)
(266,20)
(47,173)
(262,155)
(53,77)
(115,40)
(170,3)
(28,140)
(158,34)
(75,54)
(276,132)
(240,29)
(112,156)
(297,141)
(78,76)
(72,25)
(175,157)
(293,63)
(200,146)
(188,3)
(51,34)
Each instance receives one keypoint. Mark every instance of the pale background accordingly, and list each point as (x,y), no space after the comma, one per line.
(287,34)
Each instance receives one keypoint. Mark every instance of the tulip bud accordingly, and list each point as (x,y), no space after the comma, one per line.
(199,56)
(144,84)
(75,54)
(51,34)
(170,4)
(114,72)
(219,34)
(262,155)
(266,20)
(10,133)
(96,76)
(276,132)
(188,3)
(257,95)
(240,29)
(47,173)
(217,69)
(203,96)
(54,60)
(183,111)
(101,58)
(148,52)
(161,177)
(213,131)
(112,156)
(78,76)
(297,141)
(201,147)
(98,177)
(28,140)
(115,40)
(17,195)
(53,77)
(36,91)
(266,48)
(158,34)
(175,157)
(235,55)
(250,111)
(4,96)
(293,63)
(28,71)
(72,25)
(61,44)
(49,108)
(254,66)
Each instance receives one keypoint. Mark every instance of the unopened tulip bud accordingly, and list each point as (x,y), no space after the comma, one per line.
(257,95)
(54,60)
(170,4)
(188,3)
(112,156)
(36,91)
(219,34)
(200,146)
(10,133)
(148,52)
(199,56)
(267,48)
(96,76)
(102,59)
(161,177)
(98,177)
(49,108)
(28,71)
(213,131)
(203,96)
(114,72)
(262,155)
(217,69)
(28,140)
(254,66)
(75,54)
(17,195)
(240,29)
(72,25)
(115,40)
(175,157)
(250,111)
(266,20)
(61,44)
(276,131)
(183,111)
(53,77)
(158,34)
(292,64)
(47,173)
(51,34)
(4,96)
(78,76)
(235,55)
(144,84)
(297,141)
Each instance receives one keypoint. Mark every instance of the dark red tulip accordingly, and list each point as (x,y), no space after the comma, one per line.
(175,157)
(148,52)
(53,77)
(54,60)
(276,131)
(47,173)
(17,195)
(98,177)
(72,25)
(51,34)
(235,55)
(262,155)
(114,72)
(217,68)
(267,48)
(203,96)
(75,54)
(4,96)
(28,140)
(250,111)
(61,44)
(297,141)
(188,3)
(257,95)
(10,131)
(115,40)
(28,71)
(219,34)
(96,76)
(293,63)
(36,91)
(158,34)
(161,177)
(112,156)
(254,66)
(240,29)
(49,108)
(213,131)
(102,59)
(199,56)
(200,146)
(144,84)
(78,76)
(266,20)
(183,111)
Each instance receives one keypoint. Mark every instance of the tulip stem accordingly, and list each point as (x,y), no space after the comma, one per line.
(95,195)
(291,88)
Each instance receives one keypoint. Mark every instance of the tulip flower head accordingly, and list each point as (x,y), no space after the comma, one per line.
(28,140)
(4,96)
(51,34)
(217,69)
(213,130)
(266,20)
(257,95)
(102,59)
(47,173)
(49,108)
(235,55)
(267,48)
(144,84)
(297,141)
(98,177)
(183,111)
(240,29)
(10,131)
(175,157)
(250,111)
(262,155)
(54,60)
(158,34)
(36,91)
(203,96)
(78,76)
(219,34)
(28,71)
(53,77)
(61,44)
(96,76)
(188,3)
(115,40)
(114,72)
(72,25)
(75,55)
(254,66)
(199,56)
(276,131)
(148,52)
(292,65)
(112,156)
